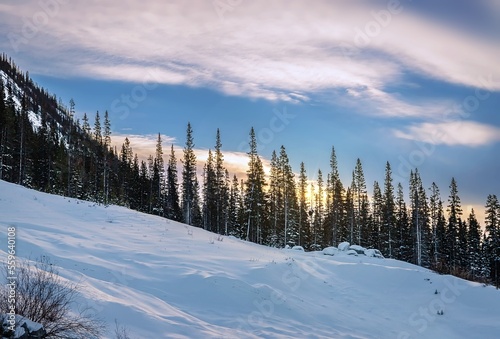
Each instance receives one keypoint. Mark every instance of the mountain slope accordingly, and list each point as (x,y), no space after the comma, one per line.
(163,279)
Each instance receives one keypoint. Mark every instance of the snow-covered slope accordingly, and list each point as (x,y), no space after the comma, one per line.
(162,279)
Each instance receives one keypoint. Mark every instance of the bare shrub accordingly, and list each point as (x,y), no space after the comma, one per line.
(44,297)
(120,331)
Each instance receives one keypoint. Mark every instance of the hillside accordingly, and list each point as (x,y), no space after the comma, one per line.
(163,279)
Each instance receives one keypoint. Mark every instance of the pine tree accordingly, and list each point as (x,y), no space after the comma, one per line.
(462,247)
(441,238)
(351,210)
(221,188)
(189,179)
(336,192)
(86,125)
(376,226)
(434,215)
(405,240)
(255,201)
(275,199)
(360,202)
(173,209)
(318,214)
(492,243)
(97,128)
(420,220)
(70,138)
(5,127)
(289,199)
(159,179)
(474,254)
(107,130)
(454,213)
(8,132)
(388,214)
(304,234)
(210,195)
(197,215)
(234,226)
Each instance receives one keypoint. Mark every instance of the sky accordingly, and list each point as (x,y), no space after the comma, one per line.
(415,83)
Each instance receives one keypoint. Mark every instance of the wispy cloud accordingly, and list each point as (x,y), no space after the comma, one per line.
(462,133)
(271,50)
(377,102)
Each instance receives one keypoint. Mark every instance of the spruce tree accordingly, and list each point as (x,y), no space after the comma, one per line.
(492,243)
(404,238)
(375,239)
(388,214)
(318,214)
(420,220)
(289,200)
(434,200)
(97,128)
(189,179)
(210,195)
(86,125)
(107,130)
(159,184)
(474,246)
(221,187)
(454,223)
(275,199)
(234,226)
(255,201)
(303,224)
(173,209)
(360,202)
(336,193)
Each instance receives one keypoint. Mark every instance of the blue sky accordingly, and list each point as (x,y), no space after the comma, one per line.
(413,83)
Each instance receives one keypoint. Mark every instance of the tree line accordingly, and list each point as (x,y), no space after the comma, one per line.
(55,153)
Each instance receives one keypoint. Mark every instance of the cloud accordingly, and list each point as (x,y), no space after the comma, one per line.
(145,145)
(142,145)
(453,133)
(391,105)
(277,51)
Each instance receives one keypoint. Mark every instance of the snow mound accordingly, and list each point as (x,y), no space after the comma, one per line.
(330,250)
(343,246)
(358,249)
(352,252)
(374,253)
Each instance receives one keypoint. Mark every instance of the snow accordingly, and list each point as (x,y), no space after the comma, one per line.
(35,119)
(358,249)
(330,250)
(373,253)
(298,248)
(162,279)
(351,252)
(343,246)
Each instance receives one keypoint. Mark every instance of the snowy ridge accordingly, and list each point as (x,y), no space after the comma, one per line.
(35,119)
(163,279)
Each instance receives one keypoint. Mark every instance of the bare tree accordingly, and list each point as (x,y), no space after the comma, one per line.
(44,297)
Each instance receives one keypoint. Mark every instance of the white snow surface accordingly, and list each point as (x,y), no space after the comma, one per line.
(344,246)
(162,279)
